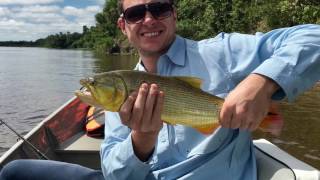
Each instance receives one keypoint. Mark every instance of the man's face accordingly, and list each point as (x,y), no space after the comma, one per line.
(151,37)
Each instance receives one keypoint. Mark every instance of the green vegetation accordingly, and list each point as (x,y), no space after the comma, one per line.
(202,19)
(196,20)
(61,40)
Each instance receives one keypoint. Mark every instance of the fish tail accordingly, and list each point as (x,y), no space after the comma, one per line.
(273,122)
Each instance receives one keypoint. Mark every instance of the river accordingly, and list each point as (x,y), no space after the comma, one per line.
(36,81)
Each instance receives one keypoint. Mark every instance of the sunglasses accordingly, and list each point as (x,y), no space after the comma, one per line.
(136,14)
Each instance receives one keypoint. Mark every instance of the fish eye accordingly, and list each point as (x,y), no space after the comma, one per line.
(91,81)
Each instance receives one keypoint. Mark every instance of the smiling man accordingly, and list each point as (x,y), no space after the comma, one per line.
(150,33)
(247,70)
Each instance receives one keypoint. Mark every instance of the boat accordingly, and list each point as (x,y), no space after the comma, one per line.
(61,136)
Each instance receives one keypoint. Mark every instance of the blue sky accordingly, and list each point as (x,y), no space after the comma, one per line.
(34,19)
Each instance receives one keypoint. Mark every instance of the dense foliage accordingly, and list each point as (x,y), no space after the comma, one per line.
(196,20)
(60,40)
(202,19)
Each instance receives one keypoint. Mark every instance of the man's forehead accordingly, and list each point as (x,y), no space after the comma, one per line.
(130,3)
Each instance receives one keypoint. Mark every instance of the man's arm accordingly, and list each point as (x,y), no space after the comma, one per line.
(142,114)
(131,135)
(247,105)
(289,64)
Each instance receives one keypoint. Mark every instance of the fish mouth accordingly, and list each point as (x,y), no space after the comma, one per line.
(83,93)
(85,96)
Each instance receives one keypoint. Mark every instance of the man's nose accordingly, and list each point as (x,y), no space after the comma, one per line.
(148,18)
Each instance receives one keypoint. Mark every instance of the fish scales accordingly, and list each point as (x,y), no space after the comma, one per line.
(183,103)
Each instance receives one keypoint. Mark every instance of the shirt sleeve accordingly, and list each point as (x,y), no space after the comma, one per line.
(289,56)
(118,160)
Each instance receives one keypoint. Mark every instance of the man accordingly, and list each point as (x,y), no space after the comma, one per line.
(248,70)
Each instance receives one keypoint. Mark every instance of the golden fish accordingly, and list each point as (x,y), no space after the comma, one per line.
(185,103)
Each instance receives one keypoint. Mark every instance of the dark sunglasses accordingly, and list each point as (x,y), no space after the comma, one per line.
(136,14)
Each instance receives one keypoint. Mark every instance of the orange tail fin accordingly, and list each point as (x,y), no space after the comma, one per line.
(273,122)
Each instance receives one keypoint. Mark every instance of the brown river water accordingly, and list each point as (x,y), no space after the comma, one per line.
(36,81)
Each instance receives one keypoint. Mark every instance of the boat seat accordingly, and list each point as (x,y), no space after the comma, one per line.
(81,149)
(82,142)
(271,169)
(276,164)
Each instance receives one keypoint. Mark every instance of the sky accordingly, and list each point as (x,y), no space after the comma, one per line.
(30,20)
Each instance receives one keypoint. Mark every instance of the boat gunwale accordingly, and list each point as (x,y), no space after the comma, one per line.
(34,131)
(298,167)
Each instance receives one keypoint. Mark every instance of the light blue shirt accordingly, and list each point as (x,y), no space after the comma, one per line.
(289,56)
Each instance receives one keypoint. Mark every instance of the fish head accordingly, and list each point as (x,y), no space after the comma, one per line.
(106,90)
(85,96)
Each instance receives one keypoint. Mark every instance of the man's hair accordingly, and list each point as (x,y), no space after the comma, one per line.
(120,5)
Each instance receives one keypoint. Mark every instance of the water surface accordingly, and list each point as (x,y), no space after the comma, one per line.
(36,81)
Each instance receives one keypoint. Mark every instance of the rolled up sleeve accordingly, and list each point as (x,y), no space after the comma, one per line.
(294,61)
(289,56)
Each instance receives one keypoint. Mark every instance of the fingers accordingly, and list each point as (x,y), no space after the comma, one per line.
(244,116)
(226,115)
(150,103)
(233,116)
(138,107)
(126,108)
(142,110)
(156,116)
(254,123)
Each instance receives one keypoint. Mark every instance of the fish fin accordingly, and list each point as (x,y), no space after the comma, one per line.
(204,129)
(273,122)
(208,129)
(193,81)
(170,123)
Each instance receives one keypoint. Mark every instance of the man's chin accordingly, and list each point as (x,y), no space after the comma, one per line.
(150,51)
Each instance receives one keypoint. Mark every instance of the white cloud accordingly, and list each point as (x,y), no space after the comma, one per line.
(31,22)
(19,30)
(9,23)
(4,11)
(40,18)
(38,9)
(26,2)
(91,9)
(72,11)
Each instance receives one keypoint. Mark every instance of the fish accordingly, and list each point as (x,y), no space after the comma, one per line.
(185,103)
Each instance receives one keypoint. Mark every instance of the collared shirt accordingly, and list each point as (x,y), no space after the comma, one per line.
(289,56)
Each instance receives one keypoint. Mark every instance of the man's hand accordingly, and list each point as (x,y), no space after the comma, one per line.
(142,113)
(247,105)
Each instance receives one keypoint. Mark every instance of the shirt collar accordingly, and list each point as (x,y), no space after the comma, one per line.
(177,51)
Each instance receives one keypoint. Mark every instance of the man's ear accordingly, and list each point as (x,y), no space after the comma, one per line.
(121,25)
(175,13)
